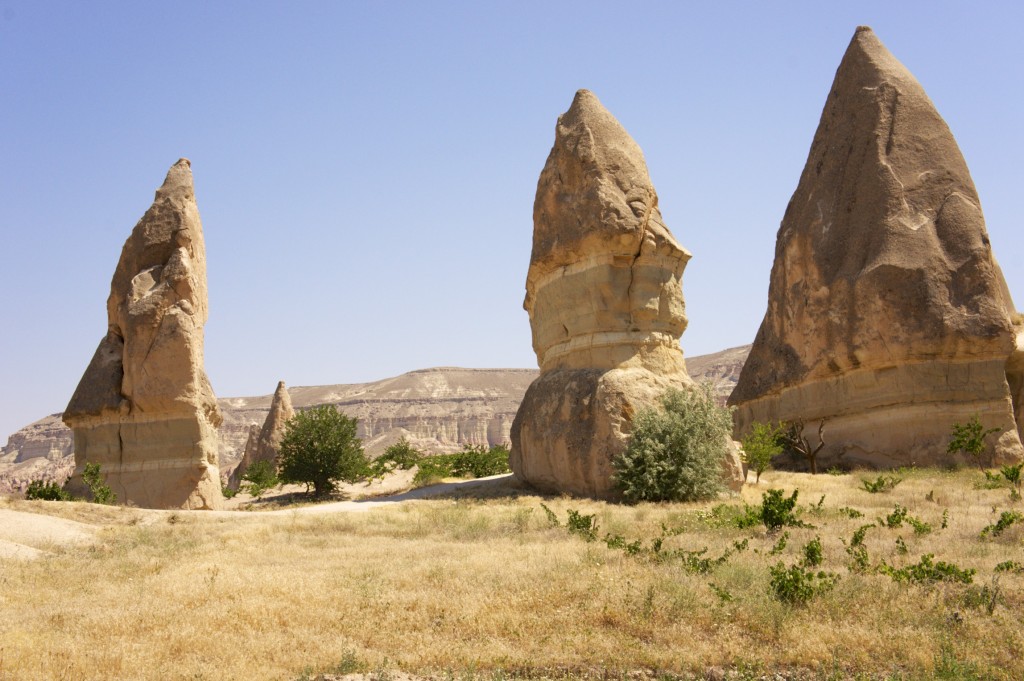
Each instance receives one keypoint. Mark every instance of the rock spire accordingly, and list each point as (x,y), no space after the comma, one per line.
(605,301)
(144,410)
(267,442)
(888,316)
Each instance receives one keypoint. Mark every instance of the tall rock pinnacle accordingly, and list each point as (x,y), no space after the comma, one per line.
(267,443)
(605,300)
(144,409)
(888,316)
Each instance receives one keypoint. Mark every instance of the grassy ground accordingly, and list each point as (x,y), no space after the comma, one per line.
(485,586)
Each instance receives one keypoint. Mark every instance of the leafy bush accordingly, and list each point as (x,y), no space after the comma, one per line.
(969,438)
(760,446)
(46,491)
(583,525)
(1012,474)
(813,553)
(884,483)
(261,476)
(676,453)
(797,585)
(1006,519)
(101,492)
(777,510)
(320,448)
(399,456)
(929,571)
(1010,566)
(472,462)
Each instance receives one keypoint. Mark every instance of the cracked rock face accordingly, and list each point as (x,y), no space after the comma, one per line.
(887,312)
(264,443)
(605,300)
(144,409)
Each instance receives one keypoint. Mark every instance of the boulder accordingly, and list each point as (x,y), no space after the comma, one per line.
(605,301)
(888,316)
(144,410)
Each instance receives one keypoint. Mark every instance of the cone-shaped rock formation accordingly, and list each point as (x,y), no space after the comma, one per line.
(144,409)
(268,442)
(887,313)
(605,301)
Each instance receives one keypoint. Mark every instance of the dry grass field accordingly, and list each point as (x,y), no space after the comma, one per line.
(484,586)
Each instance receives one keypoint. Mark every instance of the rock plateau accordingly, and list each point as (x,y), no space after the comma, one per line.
(888,316)
(144,410)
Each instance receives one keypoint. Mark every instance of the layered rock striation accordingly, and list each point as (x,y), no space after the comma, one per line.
(605,301)
(144,410)
(888,316)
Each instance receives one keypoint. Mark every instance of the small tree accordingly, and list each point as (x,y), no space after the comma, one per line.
(794,438)
(320,448)
(97,484)
(760,446)
(676,453)
(399,456)
(261,476)
(970,439)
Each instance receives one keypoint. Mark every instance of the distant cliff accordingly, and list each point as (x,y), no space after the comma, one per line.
(437,410)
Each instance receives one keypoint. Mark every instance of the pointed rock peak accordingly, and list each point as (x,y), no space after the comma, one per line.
(868,62)
(281,404)
(593,134)
(281,394)
(178,182)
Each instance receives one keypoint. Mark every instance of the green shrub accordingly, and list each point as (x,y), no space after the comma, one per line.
(884,483)
(228,492)
(261,476)
(813,553)
(101,492)
(399,456)
(676,453)
(1012,474)
(320,448)
(969,438)
(1010,566)
(582,525)
(777,510)
(929,571)
(797,585)
(1006,519)
(46,491)
(760,446)
(472,462)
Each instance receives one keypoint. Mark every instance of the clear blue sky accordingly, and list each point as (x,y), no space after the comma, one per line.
(365,171)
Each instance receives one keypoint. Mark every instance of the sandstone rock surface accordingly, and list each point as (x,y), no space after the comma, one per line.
(436,410)
(267,443)
(144,409)
(605,301)
(888,315)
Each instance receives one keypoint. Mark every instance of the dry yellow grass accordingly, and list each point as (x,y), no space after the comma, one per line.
(482,585)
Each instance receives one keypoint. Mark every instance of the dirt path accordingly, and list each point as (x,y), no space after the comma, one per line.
(27,535)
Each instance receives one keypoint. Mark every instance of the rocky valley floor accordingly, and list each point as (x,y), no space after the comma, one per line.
(481,582)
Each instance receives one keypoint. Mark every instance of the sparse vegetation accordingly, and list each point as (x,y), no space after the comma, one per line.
(676,453)
(760,446)
(400,456)
(46,491)
(969,438)
(97,484)
(319,449)
(472,462)
(261,476)
(883,483)
(488,588)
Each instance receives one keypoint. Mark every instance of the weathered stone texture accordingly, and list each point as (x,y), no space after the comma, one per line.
(605,301)
(887,313)
(144,409)
(267,443)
